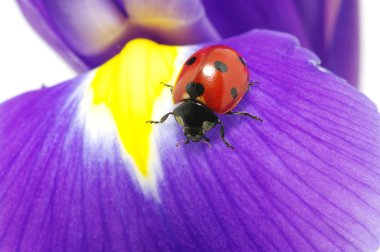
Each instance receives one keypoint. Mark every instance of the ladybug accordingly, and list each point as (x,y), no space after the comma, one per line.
(212,81)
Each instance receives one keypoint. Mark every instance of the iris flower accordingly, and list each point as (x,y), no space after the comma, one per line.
(80,170)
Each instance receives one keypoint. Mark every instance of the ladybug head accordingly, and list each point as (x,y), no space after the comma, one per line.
(195,118)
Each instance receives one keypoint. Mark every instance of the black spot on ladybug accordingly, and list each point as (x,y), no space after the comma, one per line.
(242,61)
(220,66)
(191,61)
(233,92)
(194,90)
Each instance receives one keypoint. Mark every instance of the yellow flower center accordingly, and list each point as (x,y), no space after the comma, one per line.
(129,85)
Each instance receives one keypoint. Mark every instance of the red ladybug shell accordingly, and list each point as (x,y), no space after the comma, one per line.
(216,76)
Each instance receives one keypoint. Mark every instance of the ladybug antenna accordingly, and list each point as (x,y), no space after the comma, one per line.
(206,141)
(186,141)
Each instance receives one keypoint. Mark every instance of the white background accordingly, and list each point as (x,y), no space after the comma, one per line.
(26,62)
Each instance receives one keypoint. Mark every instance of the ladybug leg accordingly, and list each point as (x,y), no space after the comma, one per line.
(222,135)
(252,83)
(163,119)
(187,141)
(245,114)
(167,85)
(206,140)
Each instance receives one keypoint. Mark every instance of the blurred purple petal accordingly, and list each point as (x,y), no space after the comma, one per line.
(342,56)
(88,33)
(232,17)
(307,179)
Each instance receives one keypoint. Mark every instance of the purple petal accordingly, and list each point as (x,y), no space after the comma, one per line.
(342,56)
(235,17)
(305,179)
(88,33)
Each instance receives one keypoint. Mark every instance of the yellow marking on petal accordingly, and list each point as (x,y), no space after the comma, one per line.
(129,85)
